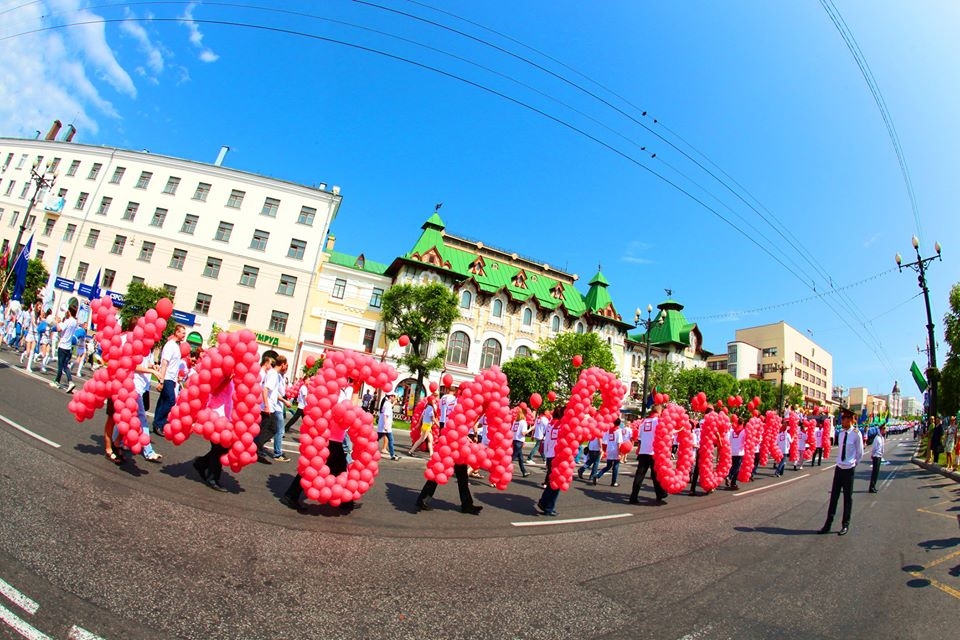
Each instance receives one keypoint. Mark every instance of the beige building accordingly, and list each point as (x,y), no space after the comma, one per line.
(232,248)
(785,351)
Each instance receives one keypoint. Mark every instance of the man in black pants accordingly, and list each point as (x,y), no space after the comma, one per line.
(876,456)
(268,425)
(849,452)
(648,429)
(463,485)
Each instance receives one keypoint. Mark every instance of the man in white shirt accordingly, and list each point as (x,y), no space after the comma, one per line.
(738,441)
(520,432)
(613,438)
(539,431)
(818,450)
(447,402)
(169,366)
(648,429)
(849,452)
(876,455)
(783,444)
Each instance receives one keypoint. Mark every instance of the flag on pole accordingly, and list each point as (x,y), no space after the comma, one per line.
(20,271)
(918,377)
(95,289)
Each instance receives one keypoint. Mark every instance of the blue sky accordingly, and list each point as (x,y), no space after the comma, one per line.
(765,96)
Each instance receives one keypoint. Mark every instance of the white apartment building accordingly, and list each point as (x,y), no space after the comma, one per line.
(233,248)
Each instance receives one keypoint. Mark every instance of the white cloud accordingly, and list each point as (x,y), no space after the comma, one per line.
(196,37)
(153,52)
(632,253)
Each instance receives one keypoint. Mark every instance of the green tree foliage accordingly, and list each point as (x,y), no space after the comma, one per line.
(527,376)
(423,313)
(37,275)
(138,299)
(948,389)
(557,355)
(681,384)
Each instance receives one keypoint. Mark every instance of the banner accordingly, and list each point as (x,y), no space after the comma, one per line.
(918,377)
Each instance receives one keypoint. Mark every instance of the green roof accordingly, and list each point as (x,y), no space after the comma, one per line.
(360,263)
(673,330)
(598,298)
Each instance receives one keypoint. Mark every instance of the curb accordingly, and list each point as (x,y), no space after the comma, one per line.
(936,468)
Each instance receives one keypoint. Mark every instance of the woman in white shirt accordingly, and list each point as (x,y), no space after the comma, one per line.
(385,423)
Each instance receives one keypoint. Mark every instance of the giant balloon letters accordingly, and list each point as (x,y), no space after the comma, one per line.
(713,435)
(754,429)
(234,359)
(673,420)
(123,352)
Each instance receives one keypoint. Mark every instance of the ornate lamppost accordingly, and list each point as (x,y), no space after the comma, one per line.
(647,325)
(41,181)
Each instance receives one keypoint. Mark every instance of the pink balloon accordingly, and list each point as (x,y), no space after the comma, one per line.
(577,360)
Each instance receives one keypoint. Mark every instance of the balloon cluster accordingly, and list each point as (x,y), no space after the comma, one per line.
(582,421)
(699,402)
(235,360)
(809,427)
(325,418)
(793,428)
(753,406)
(673,421)
(754,429)
(734,401)
(123,352)
(713,435)
(486,395)
(660,398)
(768,447)
(826,436)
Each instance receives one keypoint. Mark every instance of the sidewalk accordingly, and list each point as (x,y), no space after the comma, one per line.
(936,468)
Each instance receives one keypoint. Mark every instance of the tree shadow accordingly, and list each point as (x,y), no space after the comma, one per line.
(937,545)
(777,531)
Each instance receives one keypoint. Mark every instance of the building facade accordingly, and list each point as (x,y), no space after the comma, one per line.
(233,248)
(786,352)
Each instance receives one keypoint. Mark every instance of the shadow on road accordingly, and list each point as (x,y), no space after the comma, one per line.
(96,449)
(777,531)
(937,545)
(185,470)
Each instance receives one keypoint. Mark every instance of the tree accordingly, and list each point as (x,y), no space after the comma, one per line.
(37,276)
(527,376)
(423,313)
(557,354)
(948,389)
(140,298)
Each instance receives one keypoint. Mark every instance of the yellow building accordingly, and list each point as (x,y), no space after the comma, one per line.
(785,351)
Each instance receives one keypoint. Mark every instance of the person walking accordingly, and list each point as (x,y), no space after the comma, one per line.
(427,421)
(170,358)
(849,452)
(539,430)
(648,429)
(936,442)
(520,432)
(593,459)
(783,443)
(876,456)
(385,423)
(613,438)
(66,330)
(738,441)
(950,442)
(817,457)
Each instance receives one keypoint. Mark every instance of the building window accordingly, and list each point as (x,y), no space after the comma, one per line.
(54,165)
(523,351)
(497,310)
(212,268)
(579,327)
(202,305)
(235,199)
(555,324)
(82,272)
(10,187)
(28,223)
(48,227)
(146,251)
(105,203)
(109,275)
(61,263)
(797,357)
(117,175)
(144,180)
(159,216)
(339,288)
(171,186)
(189,224)
(74,166)
(131,212)
(178,259)
(23,192)
(82,200)
(23,160)
(527,317)
(270,207)
(248,278)
(288,284)
(490,354)
(223,232)
(307,216)
(376,298)
(94,171)
(458,348)
(369,336)
(239,313)
(203,190)
(770,352)
(171,291)
(329,331)
(118,243)
(70,231)
(259,241)
(278,321)
(297,249)
(465,300)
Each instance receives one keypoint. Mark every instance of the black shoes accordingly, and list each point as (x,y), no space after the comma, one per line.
(216,486)
(473,509)
(634,501)
(843,531)
(423,506)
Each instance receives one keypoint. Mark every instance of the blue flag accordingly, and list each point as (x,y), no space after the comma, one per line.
(95,288)
(20,271)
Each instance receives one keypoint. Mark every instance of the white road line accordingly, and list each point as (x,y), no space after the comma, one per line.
(771,486)
(79,633)
(18,598)
(546,523)
(21,627)
(29,433)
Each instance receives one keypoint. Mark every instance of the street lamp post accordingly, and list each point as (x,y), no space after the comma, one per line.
(920,266)
(41,182)
(647,325)
(782,367)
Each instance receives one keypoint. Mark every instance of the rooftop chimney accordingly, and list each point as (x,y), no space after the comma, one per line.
(71,131)
(221,156)
(331,239)
(54,130)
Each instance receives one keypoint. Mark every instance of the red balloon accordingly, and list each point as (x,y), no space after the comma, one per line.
(164,307)
(448,380)
(184,349)
(404,340)
(433,386)
(577,360)
(310,361)
(551,396)
(536,400)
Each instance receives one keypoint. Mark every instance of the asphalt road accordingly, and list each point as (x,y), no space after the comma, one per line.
(89,549)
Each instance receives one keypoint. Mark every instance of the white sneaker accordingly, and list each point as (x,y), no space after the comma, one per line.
(71,387)
(54,385)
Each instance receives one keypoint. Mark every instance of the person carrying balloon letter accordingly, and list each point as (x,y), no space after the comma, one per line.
(737,443)
(385,423)
(648,429)
(593,459)
(695,428)
(268,427)
(613,439)
(539,431)
(782,443)
(209,465)
(550,438)
(801,447)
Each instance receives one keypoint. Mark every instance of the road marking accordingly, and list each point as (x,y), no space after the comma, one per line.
(771,486)
(943,559)
(545,523)
(936,583)
(79,633)
(29,433)
(18,598)
(27,631)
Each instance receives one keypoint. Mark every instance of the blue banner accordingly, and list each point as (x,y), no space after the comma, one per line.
(64,284)
(184,318)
